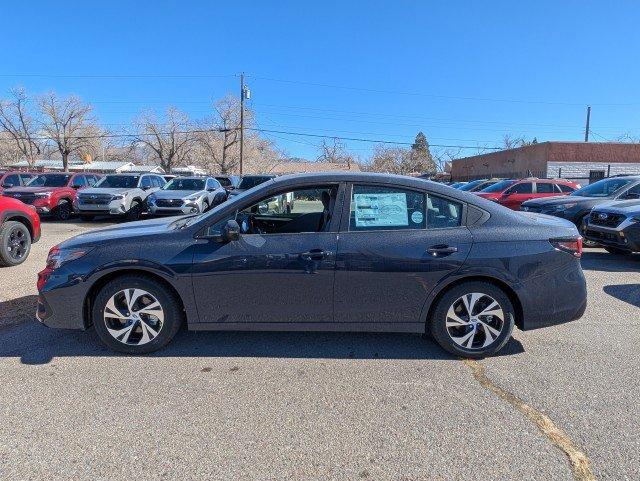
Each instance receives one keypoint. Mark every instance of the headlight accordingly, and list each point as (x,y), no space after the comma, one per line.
(57,257)
(43,194)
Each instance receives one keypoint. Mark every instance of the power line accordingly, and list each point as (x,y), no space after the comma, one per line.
(114,76)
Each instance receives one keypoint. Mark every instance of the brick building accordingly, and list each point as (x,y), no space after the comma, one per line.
(580,161)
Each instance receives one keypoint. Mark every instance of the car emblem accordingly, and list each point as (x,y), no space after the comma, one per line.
(602,216)
(94,196)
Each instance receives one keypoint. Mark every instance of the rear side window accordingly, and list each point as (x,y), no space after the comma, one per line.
(389,208)
(160,181)
(91,180)
(25,178)
(521,188)
(544,188)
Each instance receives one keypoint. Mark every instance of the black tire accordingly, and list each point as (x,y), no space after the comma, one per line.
(437,325)
(15,243)
(87,217)
(63,210)
(205,206)
(617,251)
(170,306)
(134,211)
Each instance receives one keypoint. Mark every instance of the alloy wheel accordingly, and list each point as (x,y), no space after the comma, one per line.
(475,321)
(17,243)
(133,316)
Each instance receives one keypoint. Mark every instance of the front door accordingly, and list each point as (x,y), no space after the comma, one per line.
(515,195)
(282,268)
(395,248)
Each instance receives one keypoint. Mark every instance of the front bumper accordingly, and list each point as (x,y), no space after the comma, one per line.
(190,208)
(626,236)
(115,207)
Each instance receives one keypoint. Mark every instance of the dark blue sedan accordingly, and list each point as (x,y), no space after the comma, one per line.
(323,252)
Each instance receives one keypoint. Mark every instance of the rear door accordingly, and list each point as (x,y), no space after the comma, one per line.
(395,245)
(517,194)
(545,189)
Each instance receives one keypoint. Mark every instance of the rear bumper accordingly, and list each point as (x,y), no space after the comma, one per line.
(555,299)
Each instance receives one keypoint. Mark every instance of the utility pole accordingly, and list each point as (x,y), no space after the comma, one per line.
(241,119)
(586,129)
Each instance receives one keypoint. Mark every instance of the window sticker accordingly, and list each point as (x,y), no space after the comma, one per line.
(417,217)
(381,210)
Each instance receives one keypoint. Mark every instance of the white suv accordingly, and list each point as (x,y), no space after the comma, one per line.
(187,195)
(118,194)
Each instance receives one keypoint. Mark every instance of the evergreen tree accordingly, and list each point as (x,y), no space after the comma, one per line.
(420,158)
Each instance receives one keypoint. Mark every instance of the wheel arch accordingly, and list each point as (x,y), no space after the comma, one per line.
(23,220)
(110,276)
(508,290)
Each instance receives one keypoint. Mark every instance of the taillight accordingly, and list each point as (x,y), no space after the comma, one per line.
(572,245)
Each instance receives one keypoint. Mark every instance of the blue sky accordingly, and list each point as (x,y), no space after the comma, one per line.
(465,73)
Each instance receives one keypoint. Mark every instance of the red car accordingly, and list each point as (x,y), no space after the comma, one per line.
(53,193)
(511,193)
(10,179)
(19,228)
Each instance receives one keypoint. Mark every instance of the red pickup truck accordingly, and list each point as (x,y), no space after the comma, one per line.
(53,193)
(19,228)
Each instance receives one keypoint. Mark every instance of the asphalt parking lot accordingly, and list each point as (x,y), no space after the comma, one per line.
(558,403)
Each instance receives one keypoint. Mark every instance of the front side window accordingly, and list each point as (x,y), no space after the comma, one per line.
(544,188)
(78,181)
(145,182)
(11,180)
(521,188)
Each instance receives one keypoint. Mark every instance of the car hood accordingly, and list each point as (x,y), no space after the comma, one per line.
(145,228)
(106,190)
(29,190)
(177,194)
(627,207)
(560,200)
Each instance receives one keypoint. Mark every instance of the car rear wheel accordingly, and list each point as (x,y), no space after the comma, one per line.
(63,210)
(473,320)
(615,250)
(15,243)
(136,315)
(134,211)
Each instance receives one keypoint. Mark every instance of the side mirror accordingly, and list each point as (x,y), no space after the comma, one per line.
(146,187)
(231,231)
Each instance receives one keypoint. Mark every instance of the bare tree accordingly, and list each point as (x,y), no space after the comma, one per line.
(335,152)
(68,123)
(19,124)
(169,142)
(388,159)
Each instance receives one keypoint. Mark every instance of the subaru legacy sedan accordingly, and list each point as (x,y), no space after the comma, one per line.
(355,252)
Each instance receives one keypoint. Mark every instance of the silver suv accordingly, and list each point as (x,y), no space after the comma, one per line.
(187,195)
(118,194)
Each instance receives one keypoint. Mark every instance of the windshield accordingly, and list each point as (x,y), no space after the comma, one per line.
(249,182)
(602,188)
(471,184)
(185,184)
(118,182)
(49,180)
(498,186)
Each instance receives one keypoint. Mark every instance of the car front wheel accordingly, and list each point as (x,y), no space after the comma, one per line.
(136,315)
(134,211)
(473,320)
(63,210)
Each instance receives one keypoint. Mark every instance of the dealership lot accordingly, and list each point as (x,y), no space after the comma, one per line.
(319,405)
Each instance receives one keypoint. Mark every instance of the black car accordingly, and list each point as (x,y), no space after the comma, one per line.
(576,206)
(249,182)
(356,252)
(229,182)
(615,226)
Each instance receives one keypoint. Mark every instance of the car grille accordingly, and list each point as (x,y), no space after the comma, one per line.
(603,236)
(94,199)
(606,219)
(26,197)
(169,202)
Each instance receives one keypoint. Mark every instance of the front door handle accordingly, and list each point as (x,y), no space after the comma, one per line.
(441,250)
(313,255)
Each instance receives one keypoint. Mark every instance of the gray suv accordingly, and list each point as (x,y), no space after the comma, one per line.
(187,195)
(118,194)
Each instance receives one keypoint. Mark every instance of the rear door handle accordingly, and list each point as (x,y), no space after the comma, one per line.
(441,250)
(313,255)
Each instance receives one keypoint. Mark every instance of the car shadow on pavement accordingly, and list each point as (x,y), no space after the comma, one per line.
(629,293)
(34,343)
(15,311)
(605,262)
